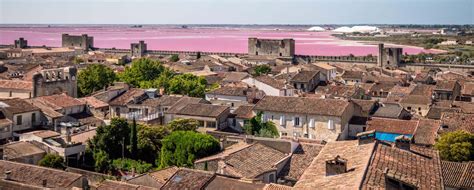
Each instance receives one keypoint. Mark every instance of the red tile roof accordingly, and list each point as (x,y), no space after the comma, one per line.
(397,126)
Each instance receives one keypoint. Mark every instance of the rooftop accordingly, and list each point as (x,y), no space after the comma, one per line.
(244,112)
(20,149)
(328,107)
(357,157)
(15,106)
(229,91)
(427,131)
(203,110)
(60,101)
(452,121)
(127,97)
(300,160)
(304,76)
(93,102)
(396,126)
(458,174)
(16,84)
(188,179)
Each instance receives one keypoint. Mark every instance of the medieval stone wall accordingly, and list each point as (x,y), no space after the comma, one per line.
(271,47)
(84,41)
(55,81)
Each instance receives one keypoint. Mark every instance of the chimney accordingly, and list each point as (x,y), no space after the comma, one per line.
(7,175)
(402,142)
(336,166)
(366,137)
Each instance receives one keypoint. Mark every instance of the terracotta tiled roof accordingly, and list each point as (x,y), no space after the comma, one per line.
(43,133)
(304,76)
(93,102)
(468,89)
(273,186)
(188,179)
(83,137)
(416,99)
(235,76)
(458,175)
(357,156)
(254,160)
(419,167)
(366,105)
(300,160)
(244,112)
(328,107)
(457,121)
(337,90)
(278,84)
(230,91)
(164,174)
(20,149)
(436,112)
(220,183)
(423,89)
(353,75)
(127,97)
(55,178)
(183,102)
(16,84)
(164,100)
(47,109)
(389,111)
(445,85)
(204,110)
(426,132)
(397,126)
(60,100)
(114,185)
(14,106)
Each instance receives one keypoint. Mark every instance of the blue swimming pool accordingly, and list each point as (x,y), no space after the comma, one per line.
(388,136)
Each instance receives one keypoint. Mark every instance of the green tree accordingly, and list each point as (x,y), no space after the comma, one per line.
(141,71)
(258,127)
(111,138)
(52,161)
(261,70)
(101,159)
(183,125)
(174,58)
(93,78)
(456,146)
(181,148)
(149,142)
(133,139)
(129,164)
(187,84)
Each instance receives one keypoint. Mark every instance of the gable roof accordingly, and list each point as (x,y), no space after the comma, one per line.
(458,174)
(188,179)
(230,91)
(183,102)
(300,160)
(419,167)
(244,112)
(302,105)
(304,76)
(427,131)
(16,84)
(127,97)
(20,149)
(203,110)
(396,126)
(93,102)
(15,106)
(389,111)
(457,121)
(60,101)
(278,84)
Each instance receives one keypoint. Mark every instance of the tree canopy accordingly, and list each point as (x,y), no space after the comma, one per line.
(261,70)
(183,125)
(110,138)
(259,128)
(129,164)
(456,146)
(52,161)
(181,148)
(93,78)
(142,71)
(187,84)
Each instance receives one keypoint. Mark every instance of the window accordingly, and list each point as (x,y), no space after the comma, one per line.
(117,112)
(311,123)
(234,122)
(282,121)
(419,108)
(11,93)
(301,86)
(297,121)
(33,118)
(408,108)
(331,124)
(284,134)
(271,178)
(19,120)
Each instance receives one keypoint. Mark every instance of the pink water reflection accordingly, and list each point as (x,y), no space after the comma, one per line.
(199,39)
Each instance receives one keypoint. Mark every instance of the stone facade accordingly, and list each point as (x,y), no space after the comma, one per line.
(138,49)
(21,43)
(84,41)
(389,57)
(55,81)
(271,47)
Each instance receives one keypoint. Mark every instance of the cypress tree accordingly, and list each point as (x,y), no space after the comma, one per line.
(133,139)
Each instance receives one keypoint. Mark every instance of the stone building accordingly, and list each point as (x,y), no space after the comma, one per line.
(138,49)
(55,81)
(21,43)
(389,57)
(271,47)
(84,41)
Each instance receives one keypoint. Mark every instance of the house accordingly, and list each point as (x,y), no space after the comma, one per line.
(241,117)
(322,119)
(23,114)
(467,92)
(328,71)
(38,177)
(253,162)
(452,121)
(392,110)
(357,124)
(210,117)
(270,86)
(427,132)
(457,175)
(23,152)
(417,104)
(352,77)
(447,90)
(424,78)
(381,90)
(339,165)
(306,81)
(388,129)
(5,127)
(233,96)
(118,105)
(300,160)
(402,165)
(97,107)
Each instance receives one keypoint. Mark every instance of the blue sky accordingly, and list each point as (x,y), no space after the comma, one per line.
(236,12)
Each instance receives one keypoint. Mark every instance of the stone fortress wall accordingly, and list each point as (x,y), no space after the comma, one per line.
(55,81)
(83,41)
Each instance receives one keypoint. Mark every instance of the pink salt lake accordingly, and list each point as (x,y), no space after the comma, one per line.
(195,39)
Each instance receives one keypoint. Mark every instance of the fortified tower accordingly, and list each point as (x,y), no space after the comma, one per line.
(55,81)
(21,43)
(389,57)
(138,49)
(84,41)
(271,47)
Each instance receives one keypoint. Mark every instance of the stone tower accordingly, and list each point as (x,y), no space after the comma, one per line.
(21,43)
(83,41)
(138,49)
(271,47)
(55,81)
(389,57)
